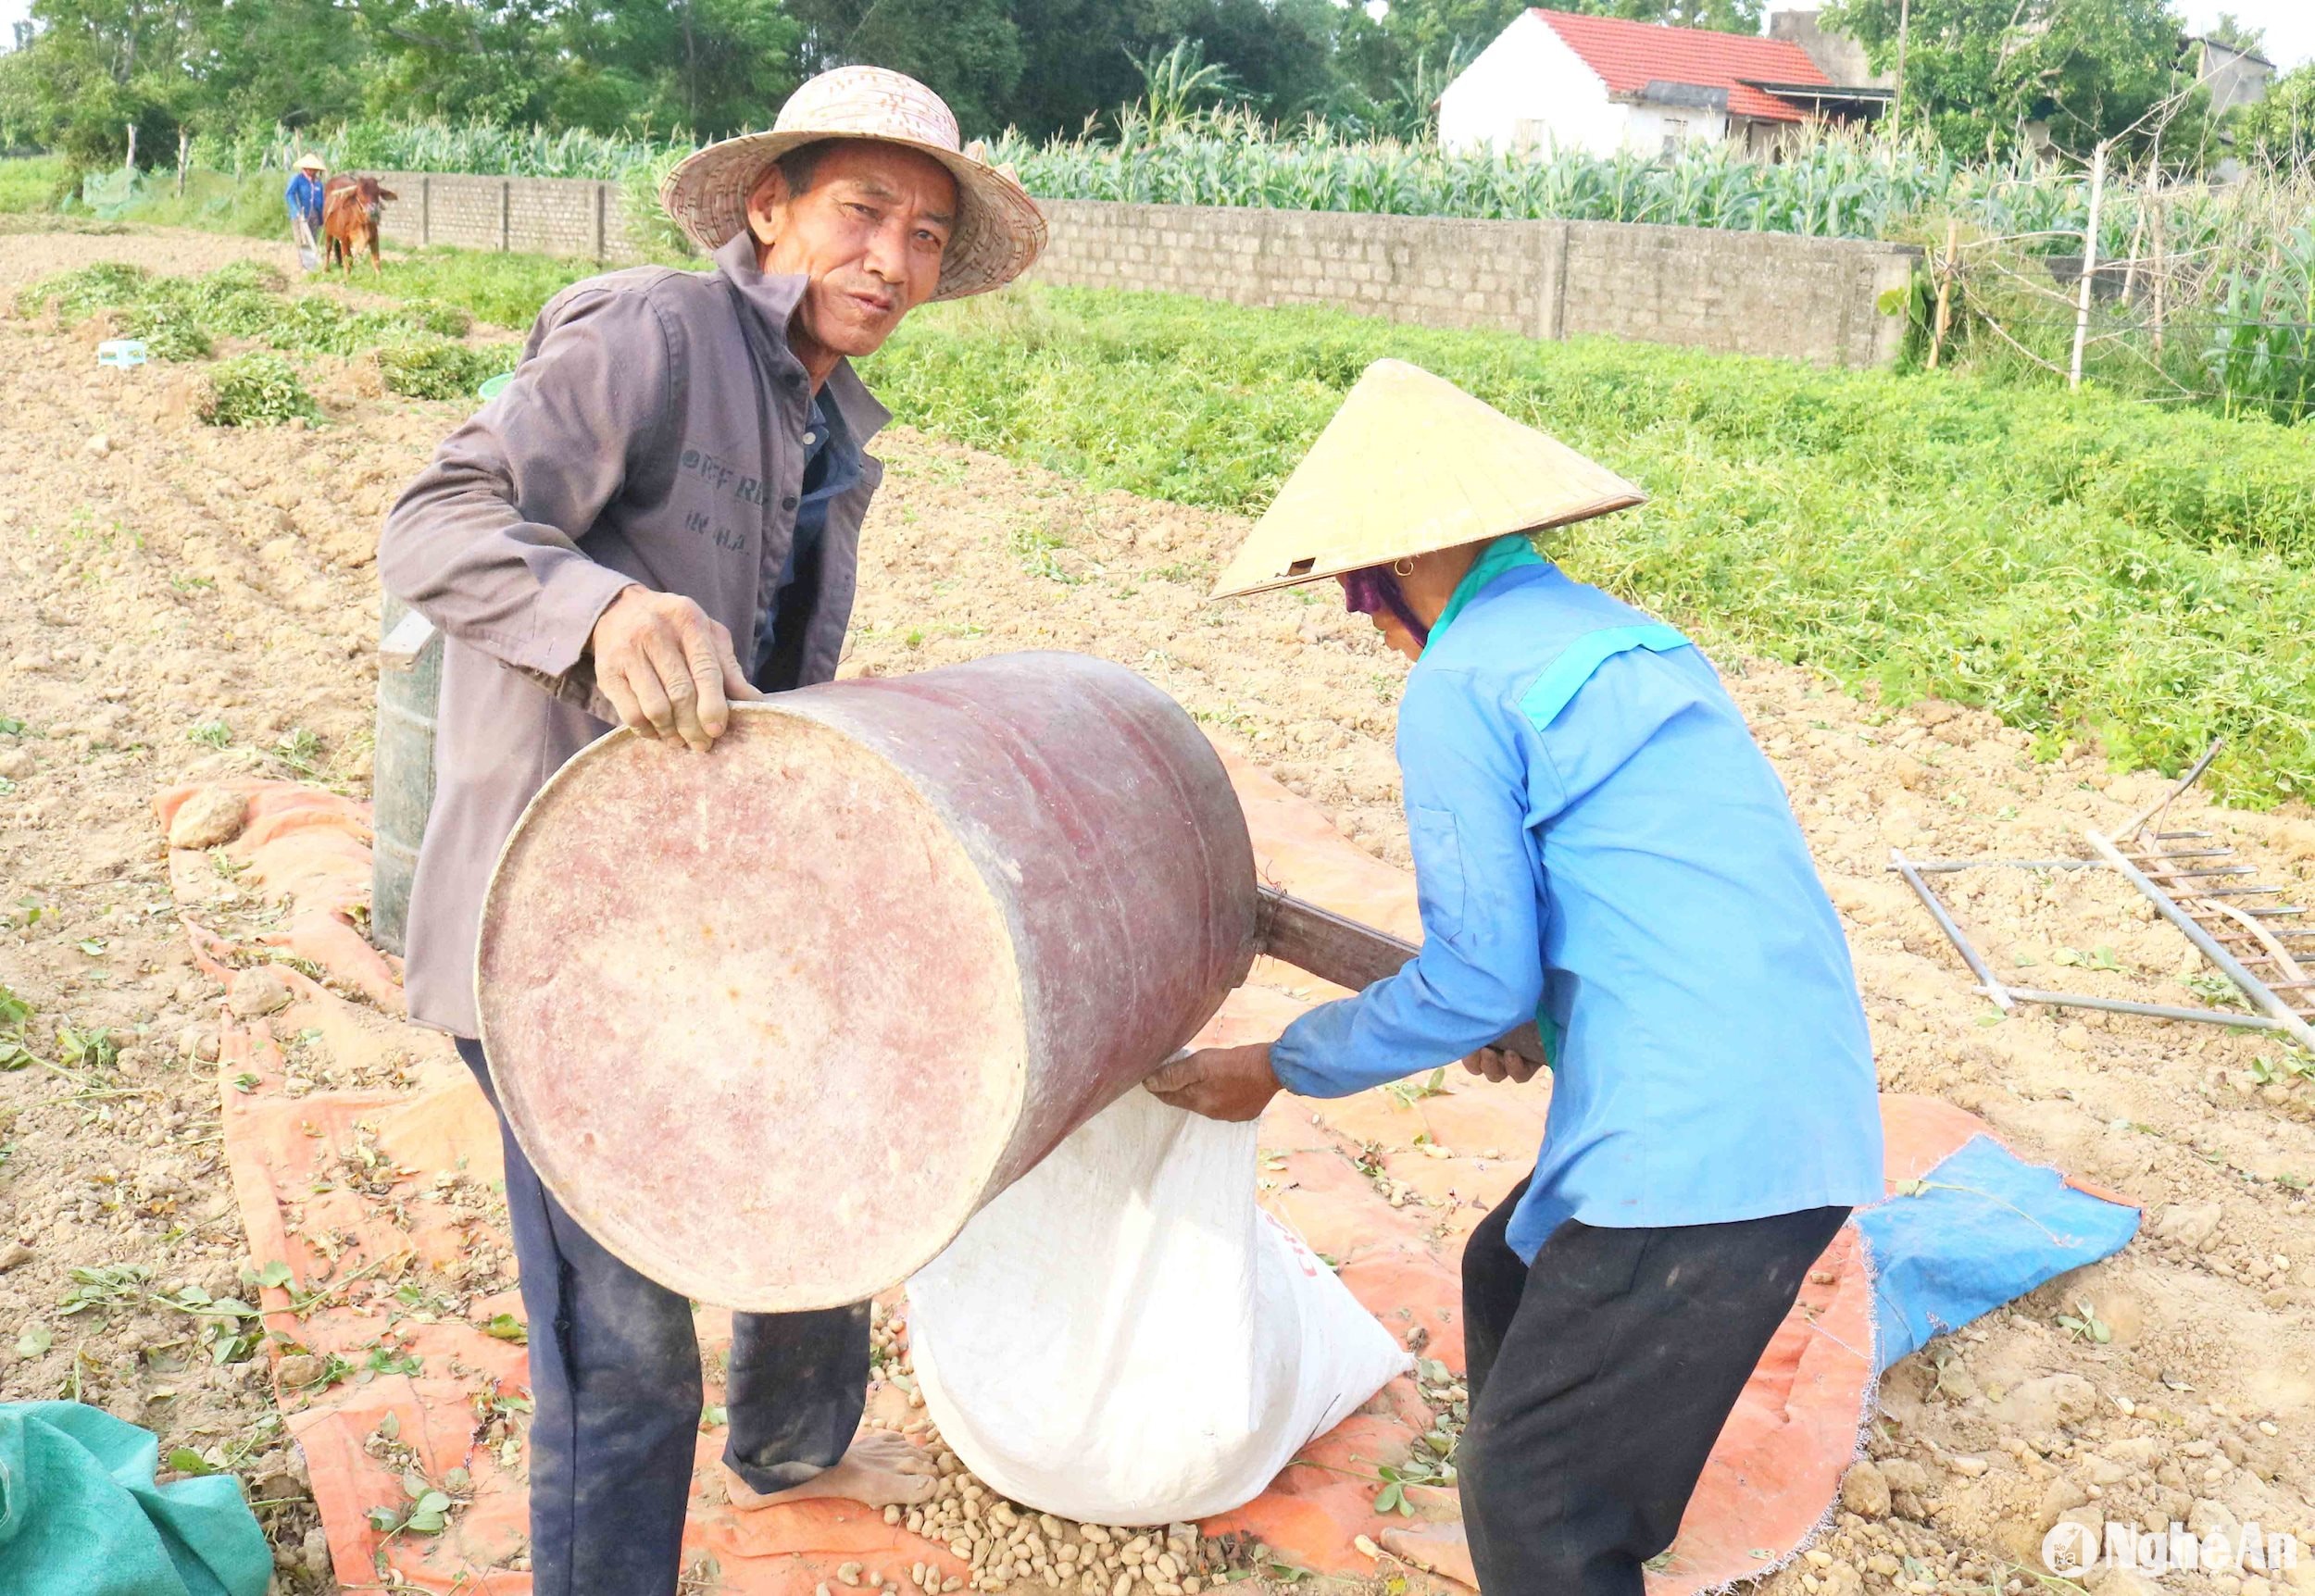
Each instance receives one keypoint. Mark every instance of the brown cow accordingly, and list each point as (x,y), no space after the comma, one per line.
(350,206)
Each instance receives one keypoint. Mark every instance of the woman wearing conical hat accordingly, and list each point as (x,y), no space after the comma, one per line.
(1600,847)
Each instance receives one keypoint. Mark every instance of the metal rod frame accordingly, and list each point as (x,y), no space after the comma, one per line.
(2280,1016)
(2288,1019)
(2210,940)
(1989,984)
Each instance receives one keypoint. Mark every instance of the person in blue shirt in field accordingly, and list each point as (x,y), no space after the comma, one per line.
(304,197)
(1600,847)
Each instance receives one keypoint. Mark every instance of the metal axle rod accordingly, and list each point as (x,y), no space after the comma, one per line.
(2150,1010)
(1946,867)
(1987,981)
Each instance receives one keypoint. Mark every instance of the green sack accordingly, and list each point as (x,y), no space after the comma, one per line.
(80,1514)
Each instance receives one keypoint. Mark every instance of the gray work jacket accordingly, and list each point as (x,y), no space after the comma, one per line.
(638,443)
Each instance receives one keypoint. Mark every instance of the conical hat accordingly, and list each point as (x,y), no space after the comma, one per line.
(1410,464)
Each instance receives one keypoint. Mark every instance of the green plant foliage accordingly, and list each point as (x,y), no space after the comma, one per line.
(435,145)
(249,205)
(77,296)
(649,227)
(2262,349)
(170,331)
(180,317)
(2075,562)
(243,277)
(1977,71)
(2281,129)
(443,320)
(440,369)
(255,389)
(33,182)
(503,289)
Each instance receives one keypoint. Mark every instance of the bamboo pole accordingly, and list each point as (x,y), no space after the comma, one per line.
(2137,237)
(2089,265)
(184,147)
(2160,274)
(1944,291)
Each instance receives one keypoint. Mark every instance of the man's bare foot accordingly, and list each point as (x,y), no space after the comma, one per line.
(1441,1548)
(879,1469)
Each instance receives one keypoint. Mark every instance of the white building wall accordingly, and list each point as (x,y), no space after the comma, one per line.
(1529,89)
(1646,126)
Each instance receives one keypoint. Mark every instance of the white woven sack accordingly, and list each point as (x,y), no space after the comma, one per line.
(1125,1337)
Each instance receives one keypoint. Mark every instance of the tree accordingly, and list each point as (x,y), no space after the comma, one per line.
(1977,71)
(57,92)
(287,62)
(712,67)
(1435,27)
(1280,52)
(1080,59)
(2237,34)
(92,66)
(1722,16)
(1180,82)
(2280,130)
(1075,64)
(463,61)
(968,50)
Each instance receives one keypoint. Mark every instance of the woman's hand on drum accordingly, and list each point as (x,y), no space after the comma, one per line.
(1498,1064)
(1219,1082)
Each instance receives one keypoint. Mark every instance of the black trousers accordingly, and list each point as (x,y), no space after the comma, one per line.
(615,1380)
(1600,1379)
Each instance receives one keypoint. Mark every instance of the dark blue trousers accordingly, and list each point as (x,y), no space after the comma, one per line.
(614,1378)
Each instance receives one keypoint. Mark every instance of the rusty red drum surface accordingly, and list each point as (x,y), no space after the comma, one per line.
(774,1020)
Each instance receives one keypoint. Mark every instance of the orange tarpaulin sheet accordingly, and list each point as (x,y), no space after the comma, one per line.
(363,1157)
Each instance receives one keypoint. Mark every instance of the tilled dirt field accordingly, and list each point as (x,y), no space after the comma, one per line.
(183,601)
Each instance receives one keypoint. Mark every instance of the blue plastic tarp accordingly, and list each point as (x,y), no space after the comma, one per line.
(1982,1228)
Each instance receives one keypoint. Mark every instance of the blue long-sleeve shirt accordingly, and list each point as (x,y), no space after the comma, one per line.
(1600,845)
(304,196)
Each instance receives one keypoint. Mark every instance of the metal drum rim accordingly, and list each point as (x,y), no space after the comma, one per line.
(700,1286)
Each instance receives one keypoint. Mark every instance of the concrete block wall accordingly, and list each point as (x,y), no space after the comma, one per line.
(1739,292)
(1424,270)
(1816,300)
(1812,299)
(543,216)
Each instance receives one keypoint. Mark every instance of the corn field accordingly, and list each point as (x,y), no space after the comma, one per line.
(1842,186)
(432,146)
(1845,185)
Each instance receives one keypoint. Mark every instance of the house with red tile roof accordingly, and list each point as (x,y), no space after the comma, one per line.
(1563,79)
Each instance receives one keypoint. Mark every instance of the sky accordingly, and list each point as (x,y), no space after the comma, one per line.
(2290,24)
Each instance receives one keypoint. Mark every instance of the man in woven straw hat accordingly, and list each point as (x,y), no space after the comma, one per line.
(1599,848)
(660,515)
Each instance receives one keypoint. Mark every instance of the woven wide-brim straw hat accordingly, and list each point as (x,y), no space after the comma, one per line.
(1408,466)
(310,163)
(999,229)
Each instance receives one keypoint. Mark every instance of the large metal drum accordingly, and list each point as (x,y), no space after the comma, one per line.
(774,1020)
